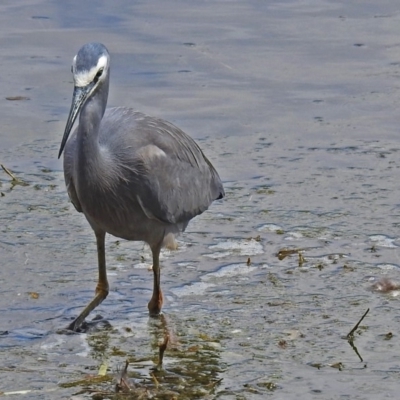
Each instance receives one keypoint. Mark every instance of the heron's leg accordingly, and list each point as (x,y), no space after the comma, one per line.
(156,301)
(102,284)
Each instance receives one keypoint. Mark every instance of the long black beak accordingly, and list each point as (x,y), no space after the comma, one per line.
(78,99)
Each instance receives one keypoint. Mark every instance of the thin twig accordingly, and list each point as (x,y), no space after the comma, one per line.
(14,179)
(9,173)
(350,335)
(123,384)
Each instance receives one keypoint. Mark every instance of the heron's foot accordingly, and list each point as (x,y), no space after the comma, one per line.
(73,327)
(155,304)
(77,326)
(67,331)
(98,323)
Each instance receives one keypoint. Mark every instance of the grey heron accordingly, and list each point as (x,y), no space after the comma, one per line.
(133,176)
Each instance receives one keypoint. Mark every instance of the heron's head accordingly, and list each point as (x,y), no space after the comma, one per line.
(90,66)
(90,69)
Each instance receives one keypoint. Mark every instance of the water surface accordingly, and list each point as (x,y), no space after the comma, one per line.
(296,103)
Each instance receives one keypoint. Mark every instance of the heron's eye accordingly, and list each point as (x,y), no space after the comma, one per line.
(98,75)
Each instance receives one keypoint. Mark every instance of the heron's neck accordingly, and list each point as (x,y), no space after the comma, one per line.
(89,123)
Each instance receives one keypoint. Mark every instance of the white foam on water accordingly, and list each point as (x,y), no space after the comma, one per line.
(383,241)
(243,247)
(270,228)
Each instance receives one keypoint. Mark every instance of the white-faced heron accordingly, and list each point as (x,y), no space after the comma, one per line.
(131,175)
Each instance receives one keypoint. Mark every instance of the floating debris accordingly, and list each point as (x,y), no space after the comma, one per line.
(103,369)
(17,98)
(283,253)
(388,336)
(302,260)
(282,344)
(337,365)
(385,285)
(14,179)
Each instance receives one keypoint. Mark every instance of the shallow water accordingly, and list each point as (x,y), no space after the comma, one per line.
(296,104)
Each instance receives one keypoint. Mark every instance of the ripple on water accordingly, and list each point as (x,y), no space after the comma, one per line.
(388,267)
(30,333)
(208,280)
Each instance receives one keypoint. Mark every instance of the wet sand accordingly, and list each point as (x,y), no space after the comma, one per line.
(297,105)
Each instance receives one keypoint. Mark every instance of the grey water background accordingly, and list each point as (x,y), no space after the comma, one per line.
(297,105)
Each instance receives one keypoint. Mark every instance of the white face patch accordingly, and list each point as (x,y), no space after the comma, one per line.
(83,78)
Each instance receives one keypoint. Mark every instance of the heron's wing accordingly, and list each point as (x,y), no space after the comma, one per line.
(171,178)
(69,154)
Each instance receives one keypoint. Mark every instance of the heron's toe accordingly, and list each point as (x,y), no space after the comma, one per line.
(75,327)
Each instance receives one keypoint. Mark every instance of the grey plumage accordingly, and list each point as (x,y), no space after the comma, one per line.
(131,175)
